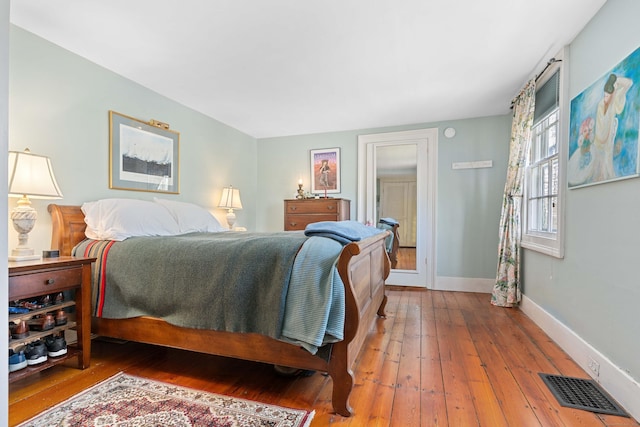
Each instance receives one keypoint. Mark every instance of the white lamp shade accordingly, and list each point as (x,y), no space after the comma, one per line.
(32,175)
(230,198)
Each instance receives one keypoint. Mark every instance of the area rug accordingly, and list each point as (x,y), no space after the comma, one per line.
(126,400)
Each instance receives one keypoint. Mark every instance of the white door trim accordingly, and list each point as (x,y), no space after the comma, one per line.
(427,174)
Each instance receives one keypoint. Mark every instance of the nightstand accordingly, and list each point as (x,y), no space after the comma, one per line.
(31,279)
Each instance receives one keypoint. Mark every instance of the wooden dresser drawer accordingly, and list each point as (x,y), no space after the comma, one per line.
(299,222)
(51,281)
(313,207)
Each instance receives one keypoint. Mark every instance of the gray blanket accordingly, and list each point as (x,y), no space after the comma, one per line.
(245,273)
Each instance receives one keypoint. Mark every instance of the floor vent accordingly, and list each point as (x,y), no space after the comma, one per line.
(581,393)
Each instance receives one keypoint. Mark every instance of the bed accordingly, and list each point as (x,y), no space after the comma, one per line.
(362,265)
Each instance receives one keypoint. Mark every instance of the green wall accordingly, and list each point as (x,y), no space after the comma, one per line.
(595,289)
(58,106)
(468,201)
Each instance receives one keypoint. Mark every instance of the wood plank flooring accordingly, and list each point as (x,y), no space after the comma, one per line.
(437,359)
(406,259)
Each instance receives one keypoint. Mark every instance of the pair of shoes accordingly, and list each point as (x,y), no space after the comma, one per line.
(45,300)
(35,352)
(17,360)
(20,330)
(61,317)
(49,299)
(42,323)
(56,345)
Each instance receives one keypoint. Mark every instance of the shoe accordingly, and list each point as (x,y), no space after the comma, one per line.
(61,318)
(58,298)
(17,310)
(31,305)
(21,330)
(17,360)
(45,300)
(35,353)
(56,346)
(43,323)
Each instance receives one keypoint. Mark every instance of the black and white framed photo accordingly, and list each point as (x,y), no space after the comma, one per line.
(143,156)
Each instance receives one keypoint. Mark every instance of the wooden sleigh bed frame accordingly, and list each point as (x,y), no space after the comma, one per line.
(363,267)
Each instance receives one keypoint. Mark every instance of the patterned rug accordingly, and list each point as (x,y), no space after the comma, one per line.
(126,400)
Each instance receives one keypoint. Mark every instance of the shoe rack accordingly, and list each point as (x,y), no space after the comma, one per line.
(31,280)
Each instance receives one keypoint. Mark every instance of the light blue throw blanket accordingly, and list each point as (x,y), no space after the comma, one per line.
(344,232)
(315,306)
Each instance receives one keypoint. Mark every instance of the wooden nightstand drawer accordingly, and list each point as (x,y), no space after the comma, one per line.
(25,285)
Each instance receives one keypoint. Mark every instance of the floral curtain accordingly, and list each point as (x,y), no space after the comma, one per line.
(507,289)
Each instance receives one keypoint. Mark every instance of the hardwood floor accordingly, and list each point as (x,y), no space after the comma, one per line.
(437,359)
(406,259)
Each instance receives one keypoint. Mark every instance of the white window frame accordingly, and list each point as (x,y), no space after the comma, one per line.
(551,243)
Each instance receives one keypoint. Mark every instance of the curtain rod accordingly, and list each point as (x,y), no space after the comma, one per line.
(546,67)
(549,64)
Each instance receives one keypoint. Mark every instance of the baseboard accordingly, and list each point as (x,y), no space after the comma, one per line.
(624,389)
(464,284)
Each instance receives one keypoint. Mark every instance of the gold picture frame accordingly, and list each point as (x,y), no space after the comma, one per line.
(143,156)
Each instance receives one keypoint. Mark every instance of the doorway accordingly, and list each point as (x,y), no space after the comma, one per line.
(397,173)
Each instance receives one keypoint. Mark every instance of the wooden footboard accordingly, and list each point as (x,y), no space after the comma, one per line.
(363,267)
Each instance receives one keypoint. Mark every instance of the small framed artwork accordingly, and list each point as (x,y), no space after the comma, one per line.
(325,171)
(143,156)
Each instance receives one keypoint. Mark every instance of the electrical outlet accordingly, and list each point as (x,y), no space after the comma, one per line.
(594,367)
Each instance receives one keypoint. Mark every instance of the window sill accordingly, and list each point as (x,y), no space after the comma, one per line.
(553,251)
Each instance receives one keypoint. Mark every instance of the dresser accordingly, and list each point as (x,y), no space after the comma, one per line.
(299,213)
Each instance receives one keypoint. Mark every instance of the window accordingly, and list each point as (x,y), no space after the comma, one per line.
(542,185)
(542,202)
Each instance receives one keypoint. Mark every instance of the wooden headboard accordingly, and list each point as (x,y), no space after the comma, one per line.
(68,227)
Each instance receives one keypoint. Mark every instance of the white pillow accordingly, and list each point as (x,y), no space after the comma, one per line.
(190,217)
(118,219)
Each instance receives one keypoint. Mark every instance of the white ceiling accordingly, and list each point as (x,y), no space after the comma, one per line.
(287,67)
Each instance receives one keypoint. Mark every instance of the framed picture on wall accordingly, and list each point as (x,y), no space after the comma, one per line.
(603,139)
(325,171)
(143,156)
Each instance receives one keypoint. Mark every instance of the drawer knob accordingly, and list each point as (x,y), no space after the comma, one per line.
(49,282)
(293,208)
(293,224)
(331,208)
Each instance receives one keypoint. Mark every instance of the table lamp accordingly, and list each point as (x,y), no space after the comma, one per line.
(30,175)
(230,200)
